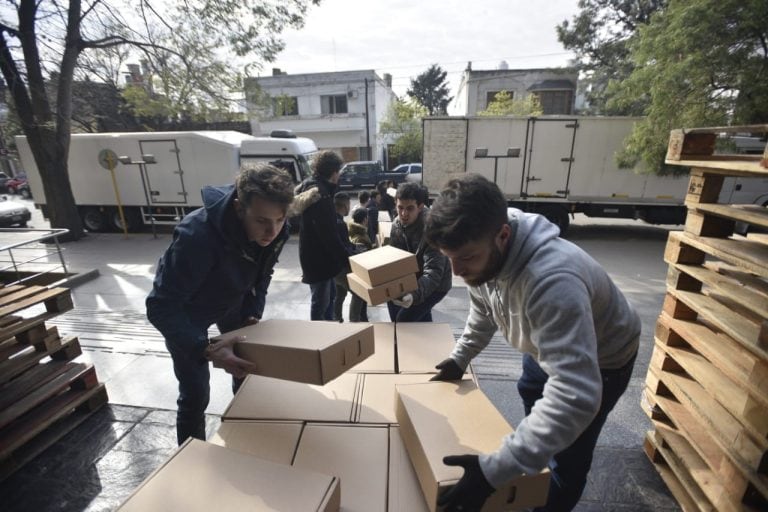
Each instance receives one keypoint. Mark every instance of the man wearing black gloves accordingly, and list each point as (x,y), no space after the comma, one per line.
(578,334)
(217,270)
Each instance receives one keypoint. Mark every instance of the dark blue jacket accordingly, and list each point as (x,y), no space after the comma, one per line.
(210,274)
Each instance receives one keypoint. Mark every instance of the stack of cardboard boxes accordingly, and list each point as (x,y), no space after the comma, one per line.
(382,274)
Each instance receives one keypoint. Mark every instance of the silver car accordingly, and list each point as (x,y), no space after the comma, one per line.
(13,213)
(412,171)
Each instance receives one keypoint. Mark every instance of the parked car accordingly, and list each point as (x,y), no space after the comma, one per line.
(411,172)
(361,174)
(13,184)
(13,213)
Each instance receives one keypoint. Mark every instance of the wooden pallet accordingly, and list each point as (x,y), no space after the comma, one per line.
(707,383)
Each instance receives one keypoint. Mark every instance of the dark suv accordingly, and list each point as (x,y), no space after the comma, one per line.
(361,174)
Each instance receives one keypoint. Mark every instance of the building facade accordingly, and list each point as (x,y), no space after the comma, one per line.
(555,88)
(340,111)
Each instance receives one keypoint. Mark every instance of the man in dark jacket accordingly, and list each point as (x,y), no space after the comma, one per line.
(407,233)
(216,271)
(321,252)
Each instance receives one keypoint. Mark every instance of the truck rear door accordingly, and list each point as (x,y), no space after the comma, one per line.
(164,180)
(549,157)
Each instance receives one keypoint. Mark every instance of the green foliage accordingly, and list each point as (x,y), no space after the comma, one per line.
(504,104)
(402,122)
(697,63)
(601,35)
(431,90)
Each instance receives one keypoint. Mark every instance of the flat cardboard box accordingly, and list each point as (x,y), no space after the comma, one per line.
(356,454)
(382,265)
(443,418)
(383,358)
(272,441)
(384,292)
(262,398)
(304,351)
(404,492)
(422,345)
(201,476)
(378,398)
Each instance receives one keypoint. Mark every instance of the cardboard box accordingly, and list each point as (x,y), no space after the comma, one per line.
(382,265)
(420,346)
(383,358)
(262,398)
(202,476)
(384,292)
(304,351)
(356,454)
(442,418)
(404,492)
(272,441)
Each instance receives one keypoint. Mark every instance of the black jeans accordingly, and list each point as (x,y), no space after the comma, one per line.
(569,468)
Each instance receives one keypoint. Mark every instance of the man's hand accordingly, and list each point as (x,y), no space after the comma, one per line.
(449,370)
(405,301)
(222,355)
(470,493)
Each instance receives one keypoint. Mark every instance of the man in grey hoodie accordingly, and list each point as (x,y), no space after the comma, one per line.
(579,337)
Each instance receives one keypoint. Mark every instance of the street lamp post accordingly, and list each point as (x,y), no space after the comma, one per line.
(145,159)
(483,153)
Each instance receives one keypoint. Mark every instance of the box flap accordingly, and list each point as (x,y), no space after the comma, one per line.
(356,454)
(420,346)
(383,358)
(404,492)
(263,398)
(272,441)
(221,479)
(384,264)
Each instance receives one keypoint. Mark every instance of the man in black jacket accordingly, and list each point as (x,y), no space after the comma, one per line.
(321,252)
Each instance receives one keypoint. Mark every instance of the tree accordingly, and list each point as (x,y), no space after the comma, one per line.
(504,105)
(402,122)
(697,63)
(431,90)
(39,38)
(600,35)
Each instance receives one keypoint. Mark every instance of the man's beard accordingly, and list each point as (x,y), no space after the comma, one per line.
(491,269)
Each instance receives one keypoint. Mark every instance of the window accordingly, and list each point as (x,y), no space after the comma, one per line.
(336,104)
(285,106)
(490,96)
(555,102)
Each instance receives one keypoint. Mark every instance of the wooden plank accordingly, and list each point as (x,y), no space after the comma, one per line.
(7,290)
(748,280)
(48,341)
(727,355)
(7,320)
(76,404)
(685,491)
(747,410)
(733,167)
(744,254)
(19,295)
(749,213)
(56,300)
(684,144)
(701,224)
(69,349)
(677,252)
(741,329)
(79,375)
(703,188)
(761,238)
(728,286)
(25,324)
(676,308)
(30,380)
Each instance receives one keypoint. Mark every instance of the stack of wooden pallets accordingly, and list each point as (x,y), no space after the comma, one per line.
(707,383)
(43,394)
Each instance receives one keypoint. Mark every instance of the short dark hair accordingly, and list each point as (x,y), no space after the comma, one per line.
(468,208)
(341,199)
(326,163)
(264,181)
(410,190)
(363,197)
(359,215)
(374,194)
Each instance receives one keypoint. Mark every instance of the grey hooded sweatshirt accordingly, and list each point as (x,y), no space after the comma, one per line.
(553,301)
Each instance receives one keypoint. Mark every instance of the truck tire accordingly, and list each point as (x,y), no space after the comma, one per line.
(25,193)
(132,219)
(93,219)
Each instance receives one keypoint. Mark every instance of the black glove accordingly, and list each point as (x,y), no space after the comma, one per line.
(470,493)
(449,370)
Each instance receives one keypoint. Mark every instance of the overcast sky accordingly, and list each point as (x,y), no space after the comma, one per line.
(403,37)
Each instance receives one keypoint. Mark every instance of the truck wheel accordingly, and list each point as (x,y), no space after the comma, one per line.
(132,219)
(94,219)
(25,193)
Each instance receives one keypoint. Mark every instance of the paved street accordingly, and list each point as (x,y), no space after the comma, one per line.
(102,461)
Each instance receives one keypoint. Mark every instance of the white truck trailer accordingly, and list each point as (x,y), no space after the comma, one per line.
(167,186)
(559,166)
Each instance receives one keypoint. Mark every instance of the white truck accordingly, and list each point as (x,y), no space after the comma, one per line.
(559,166)
(161,173)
